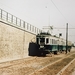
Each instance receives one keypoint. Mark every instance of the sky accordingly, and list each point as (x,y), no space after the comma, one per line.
(43,13)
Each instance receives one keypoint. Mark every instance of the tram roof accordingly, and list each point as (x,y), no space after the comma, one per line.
(47,34)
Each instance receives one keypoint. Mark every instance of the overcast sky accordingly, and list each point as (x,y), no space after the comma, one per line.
(41,13)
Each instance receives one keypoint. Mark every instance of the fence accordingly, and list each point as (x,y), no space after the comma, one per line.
(18,22)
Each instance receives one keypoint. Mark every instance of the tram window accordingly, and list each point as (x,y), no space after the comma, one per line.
(42,39)
(47,40)
(37,40)
(52,41)
(55,41)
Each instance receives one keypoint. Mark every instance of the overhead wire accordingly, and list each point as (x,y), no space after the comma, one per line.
(61,13)
(53,4)
(62,28)
(63,16)
(58,10)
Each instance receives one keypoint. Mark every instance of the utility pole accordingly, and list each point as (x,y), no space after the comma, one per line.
(66,37)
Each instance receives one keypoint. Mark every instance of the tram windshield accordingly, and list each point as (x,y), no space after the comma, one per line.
(42,39)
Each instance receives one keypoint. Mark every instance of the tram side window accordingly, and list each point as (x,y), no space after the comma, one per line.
(37,40)
(47,40)
(52,41)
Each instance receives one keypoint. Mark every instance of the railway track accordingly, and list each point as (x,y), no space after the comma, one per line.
(67,70)
(56,67)
(37,65)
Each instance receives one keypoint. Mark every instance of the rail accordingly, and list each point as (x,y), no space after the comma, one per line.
(7,17)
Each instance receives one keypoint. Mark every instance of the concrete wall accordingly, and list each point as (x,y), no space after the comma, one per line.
(14,42)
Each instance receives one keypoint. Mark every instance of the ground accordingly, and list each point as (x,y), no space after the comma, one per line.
(49,65)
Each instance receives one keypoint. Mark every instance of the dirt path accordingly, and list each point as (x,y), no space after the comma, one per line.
(70,70)
(56,67)
(25,67)
(32,64)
